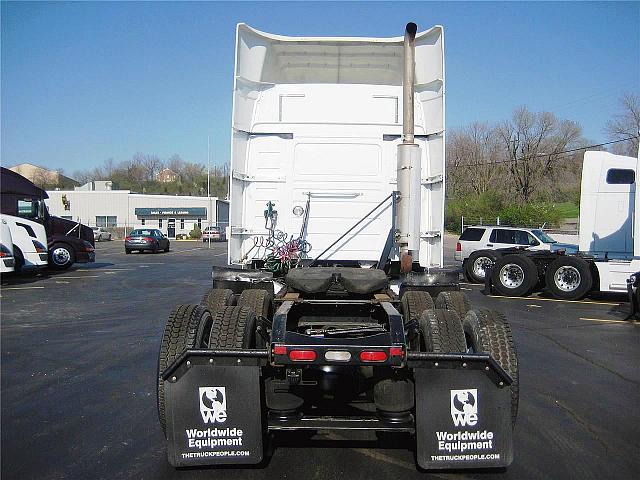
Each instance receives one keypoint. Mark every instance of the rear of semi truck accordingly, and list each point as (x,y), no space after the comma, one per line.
(335,313)
(316,127)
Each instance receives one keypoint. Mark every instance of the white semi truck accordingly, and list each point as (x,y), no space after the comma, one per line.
(609,247)
(29,243)
(7,261)
(335,312)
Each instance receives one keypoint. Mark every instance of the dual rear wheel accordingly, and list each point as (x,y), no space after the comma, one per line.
(452,327)
(566,277)
(217,322)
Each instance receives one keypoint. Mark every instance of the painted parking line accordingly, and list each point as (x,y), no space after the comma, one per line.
(539,299)
(18,288)
(104,269)
(628,322)
(80,277)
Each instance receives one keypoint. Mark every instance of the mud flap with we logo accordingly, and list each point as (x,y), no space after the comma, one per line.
(463,419)
(213,412)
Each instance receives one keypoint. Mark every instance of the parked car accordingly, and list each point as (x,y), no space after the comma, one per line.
(213,233)
(100,234)
(476,245)
(146,239)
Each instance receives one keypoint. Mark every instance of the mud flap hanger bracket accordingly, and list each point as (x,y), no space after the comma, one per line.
(467,361)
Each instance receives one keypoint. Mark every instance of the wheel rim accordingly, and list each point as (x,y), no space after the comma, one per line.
(511,275)
(480,266)
(567,278)
(60,256)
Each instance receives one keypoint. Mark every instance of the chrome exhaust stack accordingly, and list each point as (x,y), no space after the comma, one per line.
(408,200)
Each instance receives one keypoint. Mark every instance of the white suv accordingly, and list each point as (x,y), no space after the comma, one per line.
(476,243)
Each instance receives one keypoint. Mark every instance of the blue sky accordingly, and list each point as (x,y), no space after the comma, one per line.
(83,82)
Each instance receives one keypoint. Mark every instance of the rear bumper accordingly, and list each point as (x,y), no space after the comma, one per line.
(85,257)
(138,246)
(231,431)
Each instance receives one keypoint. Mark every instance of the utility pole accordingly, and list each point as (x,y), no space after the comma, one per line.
(209,187)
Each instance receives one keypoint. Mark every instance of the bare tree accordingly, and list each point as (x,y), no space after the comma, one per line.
(532,142)
(472,156)
(626,124)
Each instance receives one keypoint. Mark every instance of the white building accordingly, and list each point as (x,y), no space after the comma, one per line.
(173,214)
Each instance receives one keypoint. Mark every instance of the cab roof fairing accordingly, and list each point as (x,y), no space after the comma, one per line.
(264,58)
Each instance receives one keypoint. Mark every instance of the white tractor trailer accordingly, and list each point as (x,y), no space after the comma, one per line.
(334,312)
(609,246)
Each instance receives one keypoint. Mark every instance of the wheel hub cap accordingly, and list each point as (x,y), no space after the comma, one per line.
(567,278)
(511,275)
(60,256)
(480,266)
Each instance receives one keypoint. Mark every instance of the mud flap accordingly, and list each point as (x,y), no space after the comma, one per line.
(463,420)
(213,411)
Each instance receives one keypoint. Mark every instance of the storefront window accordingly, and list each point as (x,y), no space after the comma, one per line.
(182,224)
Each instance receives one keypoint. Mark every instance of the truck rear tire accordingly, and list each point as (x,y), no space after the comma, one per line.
(514,275)
(260,302)
(488,331)
(569,278)
(477,263)
(453,300)
(441,332)
(257,300)
(233,328)
(216,298)
(180,334)
(414,302)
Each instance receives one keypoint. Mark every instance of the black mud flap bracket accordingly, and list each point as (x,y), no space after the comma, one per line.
(463,412)
(214,409)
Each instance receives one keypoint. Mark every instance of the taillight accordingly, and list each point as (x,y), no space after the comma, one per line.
(396,352)
(279,350)
(148,239)
(302,355)
(458,247)
(128,238)
(4,251)
(373,356)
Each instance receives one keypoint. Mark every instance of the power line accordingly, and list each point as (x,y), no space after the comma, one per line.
(563,152)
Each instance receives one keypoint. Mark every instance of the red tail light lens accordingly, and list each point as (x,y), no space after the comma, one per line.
(376,356)
(302,355)
(148,239)
(396,352)
(279,350)
(128,238)
(458,247)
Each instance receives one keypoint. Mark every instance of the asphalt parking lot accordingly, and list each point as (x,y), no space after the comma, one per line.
(78,363)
